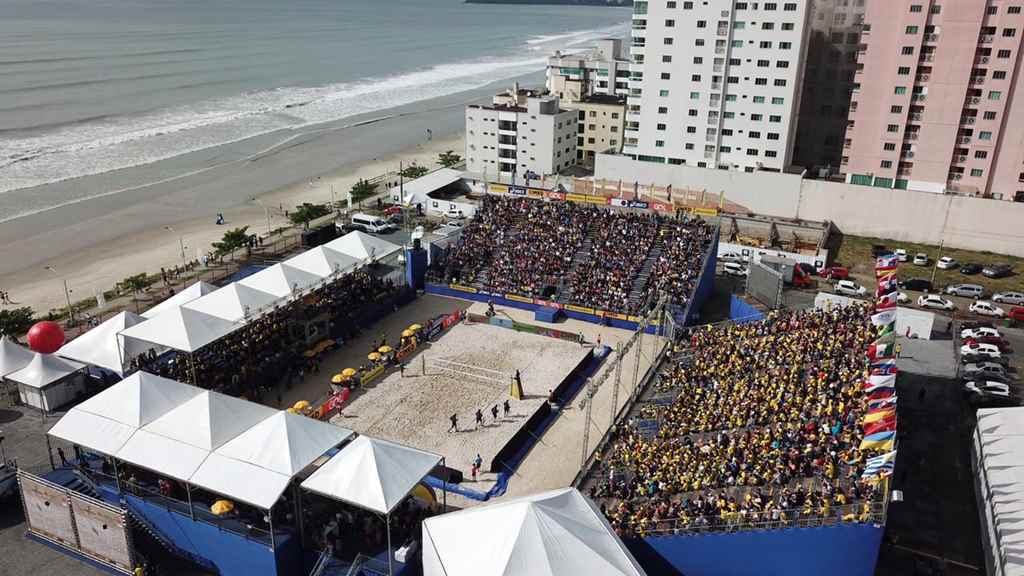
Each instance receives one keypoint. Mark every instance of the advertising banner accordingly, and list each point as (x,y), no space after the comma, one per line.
(518,298)
(582,309)
(555,195)
(462,288)
(498,188)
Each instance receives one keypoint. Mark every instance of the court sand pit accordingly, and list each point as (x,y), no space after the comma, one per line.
(415,410)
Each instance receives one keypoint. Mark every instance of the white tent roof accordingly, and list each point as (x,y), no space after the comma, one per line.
(185,296)
(43,370)
(12,356)
(372,474)
(181,329)
(241,480)
(551,534)
(162,455)
(284,443)
(103,347)
(1000,453)
(362,246)
(416,191)
(281,280)
(322,262)
(92,431)
(138,399)
(233,302)
(209,419)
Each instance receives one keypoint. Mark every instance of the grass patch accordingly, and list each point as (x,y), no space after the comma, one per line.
(855,252)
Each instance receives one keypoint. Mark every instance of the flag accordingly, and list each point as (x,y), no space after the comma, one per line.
(887,283)
(880,466)
(887,424)
(885,330)
(885,264)
(881,394)
(721,200)
(879,415)
(703,194)
(881,351)
(101,299)
(620,187)
(876,382)
(884,367)
(881,441)
(882,403)
(884,317)
(636,190)
(886,301)
(668,190)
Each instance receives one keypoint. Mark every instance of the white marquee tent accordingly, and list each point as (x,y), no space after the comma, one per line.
(184,297)
(182,329)
(362,246)
(998,461)
(282,280)
(13,357)
(233,302)
(417,191)
(49,382)
(103,346)
(322,261)
(557,533)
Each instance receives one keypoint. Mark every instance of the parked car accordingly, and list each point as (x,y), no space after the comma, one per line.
(935,301)
(918,284)
(901,254)
(392,210)
(980,332)
(965,290)
(455,214)
(987,370)
(970,269)
(996,341)
(834,273)
(975,324)
(1015,298)
(731,257)
(902,298)
(980,386)
(987,309)
(920,259)
(997,270)
(977,349)
(879,250)
(371,224)
(1017,313)
(975,358)
(734,269)
(808,269)
(946,263)
(850,288)
(992,400)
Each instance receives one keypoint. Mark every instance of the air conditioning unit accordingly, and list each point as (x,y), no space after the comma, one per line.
(909,154)
(961,158)
(956,176)
(923,77)
(975,100)
(965,140)
(984,60)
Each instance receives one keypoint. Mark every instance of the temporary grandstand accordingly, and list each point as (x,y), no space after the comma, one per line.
(804,240)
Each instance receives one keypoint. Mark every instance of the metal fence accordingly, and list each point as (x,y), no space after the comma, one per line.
(859,512)
(765,285)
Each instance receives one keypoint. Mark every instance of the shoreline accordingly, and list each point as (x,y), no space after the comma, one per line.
(96,242)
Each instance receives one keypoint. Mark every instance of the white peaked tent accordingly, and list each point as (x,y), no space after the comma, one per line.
(12,356)
(139,399)
(233,302)
(49,382)
(104,347)
(281,280)
(322,261)
(372,474)
(185,296)
(998,457)
(557,533)
(284,443)
(209,419)
(182,329)
(362,246)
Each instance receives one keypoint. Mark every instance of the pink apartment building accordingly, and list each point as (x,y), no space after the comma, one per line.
(935,104)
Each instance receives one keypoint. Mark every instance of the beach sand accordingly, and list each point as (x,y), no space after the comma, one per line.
(99,266)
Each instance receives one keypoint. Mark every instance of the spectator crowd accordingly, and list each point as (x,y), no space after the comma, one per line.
(759,423)
(527,247)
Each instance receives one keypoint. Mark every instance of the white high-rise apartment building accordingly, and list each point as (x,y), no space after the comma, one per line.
(511,140)
(716,83)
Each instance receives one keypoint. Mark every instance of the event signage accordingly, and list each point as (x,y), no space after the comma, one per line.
(517,190)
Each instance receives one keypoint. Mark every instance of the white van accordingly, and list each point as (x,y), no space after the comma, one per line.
(371,224)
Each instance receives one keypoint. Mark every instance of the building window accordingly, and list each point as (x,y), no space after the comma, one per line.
(670,23)
(900,90)
(754,135)
(694,95)
(1003,54)
(977,172)
(984,135)
(778,100)
(775,119)
(730,97)
(999,75)
(911,30)
(661,126)
(751,151)
(886,164)
(662,110)
(990,115)
(896,109)
(981,154)
(1009,32)
(892,128)
(758,99)
(659,143)
(667,41)
(770,154)
(915,8)
(995,95)
(908,50)
(787,26)
(662,92)
(903,70)
(889,146)
(666,58)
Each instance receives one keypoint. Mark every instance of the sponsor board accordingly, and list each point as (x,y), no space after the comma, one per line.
(462,288)
(535,193)
(616,315)
(517,190)
(624,203)
(555,195)
(518,298)
(576,197)
(371,375)
(576,308)
(498,188)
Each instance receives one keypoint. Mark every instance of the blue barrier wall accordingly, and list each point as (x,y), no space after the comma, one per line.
(234,555)
(844,550)
(741,312)
(705,284)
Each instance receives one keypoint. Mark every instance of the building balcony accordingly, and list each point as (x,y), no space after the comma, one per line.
(927,57)
(910,136)
(931,37)
(716,85)
(963,139)
(918,97)
(960,159)
(922,78)
(982,60)
(977,80)
(986,38)
(968,120)
(916,116)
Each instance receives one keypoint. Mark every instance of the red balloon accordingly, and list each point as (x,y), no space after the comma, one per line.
(46,337)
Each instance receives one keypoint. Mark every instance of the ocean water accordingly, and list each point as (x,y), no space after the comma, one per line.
(89,86)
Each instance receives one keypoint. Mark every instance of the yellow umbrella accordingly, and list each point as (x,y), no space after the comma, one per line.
(348,372)
(407,333)
(338,379)
(384,349)
(374,356)
(292,411)
(301,405)
(222,507)
(415,327)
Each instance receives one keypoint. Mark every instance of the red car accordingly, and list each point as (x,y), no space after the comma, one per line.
(834,273)
(392,210)
(1000,343)
(1016,313)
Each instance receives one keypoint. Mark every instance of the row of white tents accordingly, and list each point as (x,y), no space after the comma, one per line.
(202,314)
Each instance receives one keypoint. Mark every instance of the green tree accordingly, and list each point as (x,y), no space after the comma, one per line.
(232,240)
(449,158)
(414,171)
(16,322)
(362,190)
(308,212)
(135,284)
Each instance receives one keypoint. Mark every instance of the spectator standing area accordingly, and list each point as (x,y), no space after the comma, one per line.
(469,368)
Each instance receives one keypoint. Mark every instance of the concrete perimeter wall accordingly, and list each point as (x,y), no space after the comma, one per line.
(904,215)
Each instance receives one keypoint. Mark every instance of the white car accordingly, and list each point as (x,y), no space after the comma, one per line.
(455,214)
(902,298)
(987,387)
(946,263)
(980,332)
(935,301)
(850,288)
(731,257)
(920,259)
(989,370)
(734,269)
(987,309)
(1012,298)
(981,349)
(901,254)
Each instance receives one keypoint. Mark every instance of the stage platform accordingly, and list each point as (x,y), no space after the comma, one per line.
(469,368)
